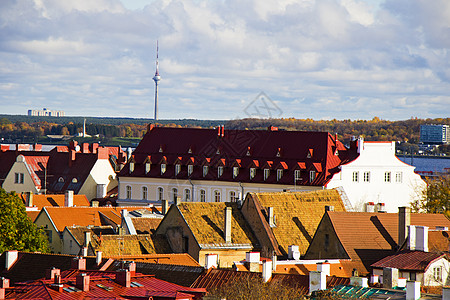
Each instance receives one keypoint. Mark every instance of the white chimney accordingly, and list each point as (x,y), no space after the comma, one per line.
(101,190)
(124,213)
(87,238)
(68,198)
(98,258)
(317,281)
(227,225)
(324,267)
(211,261)
(84,251)
(401,283)
(374,279)
(360,145)
(413,291)
(370,207)
(390,278)
(359,281)
(252,257)
(293,252)
(422,238)
(271,217)
(11,258)
(274,262)
(411,237)
(267,270)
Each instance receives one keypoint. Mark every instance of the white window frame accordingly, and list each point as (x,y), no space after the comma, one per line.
(252,173)
(205,171)
(128,192)
(312,175)
(219,171)
(147,167)
(177,169)
(216,196)
(355,176)
(174,194)
(187,195)
(144,193)
(387,176)
(190,169)
(163,168)
(235,172)
(279,174)
(160,193)
(19,178)
(297,174)
(266,174)
(202,195)
(232,196)
(366,176)
(399,177)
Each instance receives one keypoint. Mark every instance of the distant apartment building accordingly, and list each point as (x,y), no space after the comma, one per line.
(46,113)
(434,134)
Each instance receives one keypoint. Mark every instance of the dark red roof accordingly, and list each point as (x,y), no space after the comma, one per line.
(409,260)
(286,150)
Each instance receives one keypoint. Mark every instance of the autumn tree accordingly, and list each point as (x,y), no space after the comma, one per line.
(17,231)
(436,197)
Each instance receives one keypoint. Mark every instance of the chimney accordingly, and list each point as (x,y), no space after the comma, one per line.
(390,278)
(87,238)
(274,262)
(370,207)
(359,281)
(293,252)
(324,267)
(29,197)
(98,258)
(413,291)
(124,213)
(211,261)
(79,263)
(227,225)
(4,282)
(317,281)
(68,198)
(360,145)
(177,201)
(123,277)
(411,237)
(82,282)
(131,266)
(37,147)
(422,238)
(329,208)
(164,206)
(271,217)
(102,153)
(51,273)
(11,258)
(252,260)
(94,203)
(101,190)
(72,156)
(84,251)
(94,147)
(85,148)
(2,294)
(73,145)
(374,279)
(267,270)
(404,220)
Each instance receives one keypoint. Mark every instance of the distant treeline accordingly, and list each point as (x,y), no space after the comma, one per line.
(31,128)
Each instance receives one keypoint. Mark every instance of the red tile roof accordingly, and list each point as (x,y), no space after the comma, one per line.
(409,260)
(57,200)
(170,143)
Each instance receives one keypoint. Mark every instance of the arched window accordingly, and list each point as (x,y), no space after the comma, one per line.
(202,196)
(128,192)
(174,194)
(232,196)
(217,196)
(144,193)
(187,195)
(160,193)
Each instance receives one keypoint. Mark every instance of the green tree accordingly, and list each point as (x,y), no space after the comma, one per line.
(17,231)
(436,197)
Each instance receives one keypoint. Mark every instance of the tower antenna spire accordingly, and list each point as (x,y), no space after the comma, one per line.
(156,79)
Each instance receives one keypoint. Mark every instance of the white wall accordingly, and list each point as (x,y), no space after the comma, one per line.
(428,279)
(28,184)
(101,173)
(377,158)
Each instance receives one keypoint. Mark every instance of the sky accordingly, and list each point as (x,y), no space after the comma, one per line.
(227,59)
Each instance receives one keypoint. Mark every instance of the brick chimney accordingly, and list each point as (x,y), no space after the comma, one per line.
(94,147)
(404,220)
(68,198)
(72,157)
(82,282)
(123,277)
(85,148)
(4,282)
(227,225)
(79,263)
(102,153)
(37,147)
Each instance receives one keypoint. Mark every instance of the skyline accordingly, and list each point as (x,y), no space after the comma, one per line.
(332,59)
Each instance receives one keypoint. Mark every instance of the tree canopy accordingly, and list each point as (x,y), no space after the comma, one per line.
(17,231)
(436,197)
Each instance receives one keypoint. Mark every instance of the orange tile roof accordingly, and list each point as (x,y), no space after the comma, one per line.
(145,225)
(56,200)
(438,241)
(182,259)
(32,214)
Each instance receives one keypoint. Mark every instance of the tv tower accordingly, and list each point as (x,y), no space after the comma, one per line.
(156,79)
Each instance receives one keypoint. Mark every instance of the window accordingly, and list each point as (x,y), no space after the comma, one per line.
(355,176)
(187,195)
(279,174)
(202,196)
(437,273)
(217,196)
(219,171)
(190,169)
(205,171)
(297,175)
(144,193)
(177,169)
(412,276)
(266,173)
(312,175)
(160,193)
(61,180)
(233,196)
(163,169)
(174,194)
(131,167)
(387,176)
(18,178)
(74,180)
(366,176)
(398,177)
(235,172)
(147,167)
(128,192)
(252,173)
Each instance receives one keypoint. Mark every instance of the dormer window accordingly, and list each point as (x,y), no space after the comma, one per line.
(218,151)
(310,153)
(312,175)
(248,152)
(297,175)
(74,180)
(205,171)
(147,167)
(190,151)
(131,167)
(177,169)
(266,173)
(163,169)
(160,149)
(279,152)
(235,172)
(252,173)
(190,169)
(336,152)
(61,180)
(219,171)
(279,174)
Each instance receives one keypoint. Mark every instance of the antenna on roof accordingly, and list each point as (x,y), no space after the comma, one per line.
(156,79)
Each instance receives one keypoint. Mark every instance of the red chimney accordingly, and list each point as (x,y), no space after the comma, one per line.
(132,268)
(94,147)
(73,145)
(123,277)
(4,283)
(85,148)
(79,263)
(72,155)
(102,153)
(37,147)
(4,148)
(82,282)
(2,294)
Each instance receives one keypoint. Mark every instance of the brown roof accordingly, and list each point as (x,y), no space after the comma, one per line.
(55,200)
(206,221)
(297,215)
(78,232)
(145,225)
(182,259)
(369,237)
(438,241)
(409,260)
(118,245)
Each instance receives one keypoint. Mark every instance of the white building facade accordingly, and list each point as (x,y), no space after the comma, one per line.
(377,178)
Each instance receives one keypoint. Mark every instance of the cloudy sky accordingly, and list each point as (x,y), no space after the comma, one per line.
(324,59)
